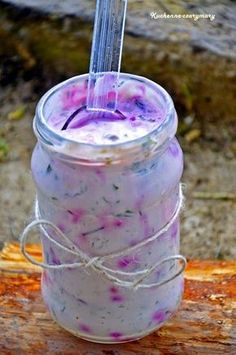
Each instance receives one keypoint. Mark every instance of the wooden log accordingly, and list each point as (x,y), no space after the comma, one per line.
(204,324)
(194,59)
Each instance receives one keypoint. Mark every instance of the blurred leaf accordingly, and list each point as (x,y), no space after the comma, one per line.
(18,114)
(192,135)
(4,149)
(187,94)
(183,128)
(233,147)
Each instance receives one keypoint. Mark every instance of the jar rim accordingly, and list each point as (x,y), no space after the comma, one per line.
(159,135)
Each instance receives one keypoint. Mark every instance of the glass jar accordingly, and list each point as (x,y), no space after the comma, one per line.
(118,204)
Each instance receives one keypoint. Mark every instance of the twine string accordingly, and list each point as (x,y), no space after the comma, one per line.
(97,263)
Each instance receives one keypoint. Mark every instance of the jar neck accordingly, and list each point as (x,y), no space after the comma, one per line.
(153,143)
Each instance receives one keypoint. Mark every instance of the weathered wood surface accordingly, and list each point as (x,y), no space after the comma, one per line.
(194,60)
(205,323)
